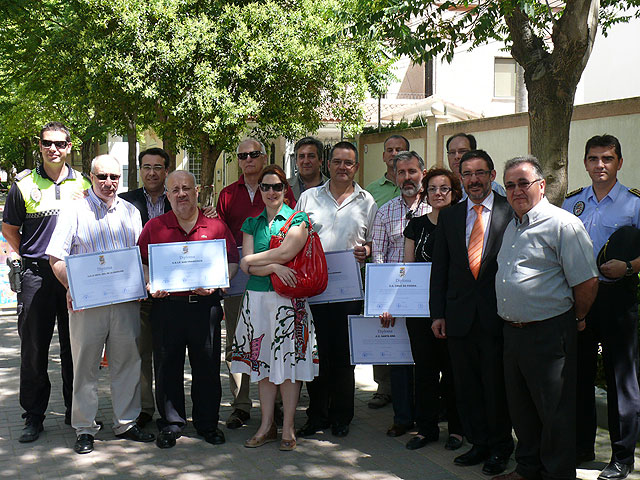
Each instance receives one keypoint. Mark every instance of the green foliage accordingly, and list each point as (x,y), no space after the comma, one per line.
(403,124)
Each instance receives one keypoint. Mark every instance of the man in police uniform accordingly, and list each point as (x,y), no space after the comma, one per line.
(32,205)
(604,207)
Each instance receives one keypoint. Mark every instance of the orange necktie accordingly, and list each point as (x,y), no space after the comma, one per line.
(476,241)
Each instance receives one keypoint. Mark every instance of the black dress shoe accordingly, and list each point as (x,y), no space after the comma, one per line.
(143,419)
(615,470)
(311,428)
(136,434)
(473,457)
(398,429)
(84,444)
(453,443)
(340,429)
(215,438)
(167,439)
(420,441)
(237,419)
(31,432)
(495,465)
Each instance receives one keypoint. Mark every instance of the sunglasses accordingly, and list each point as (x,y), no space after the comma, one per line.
(276,187)
(114,177)
(254,154)
(60,144)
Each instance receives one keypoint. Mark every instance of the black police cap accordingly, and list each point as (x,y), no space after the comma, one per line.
(623,244)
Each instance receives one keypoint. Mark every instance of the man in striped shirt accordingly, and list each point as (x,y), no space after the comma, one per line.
(101,222)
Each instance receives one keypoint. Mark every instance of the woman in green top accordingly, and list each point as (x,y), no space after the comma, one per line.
(274,341)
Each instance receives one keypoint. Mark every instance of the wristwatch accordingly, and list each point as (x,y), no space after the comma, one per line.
(629,269)
(578,320)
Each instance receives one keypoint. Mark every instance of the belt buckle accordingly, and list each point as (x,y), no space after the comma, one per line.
(193,298)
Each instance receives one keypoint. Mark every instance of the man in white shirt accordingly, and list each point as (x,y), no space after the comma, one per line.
(342,213)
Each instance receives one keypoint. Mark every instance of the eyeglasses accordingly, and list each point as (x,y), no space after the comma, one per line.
(522,185)
(346,163)
(60,144)
(276,187)
(444,189)
(254,154)
(155,168)
(477,173)
(114,177)
(462,151)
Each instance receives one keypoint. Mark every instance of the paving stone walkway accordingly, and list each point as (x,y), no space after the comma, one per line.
(365,454)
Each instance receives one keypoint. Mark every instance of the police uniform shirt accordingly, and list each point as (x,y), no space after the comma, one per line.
(34,202)
(618,208)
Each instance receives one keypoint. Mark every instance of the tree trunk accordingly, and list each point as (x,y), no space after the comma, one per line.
(86,152)
(29,160)
(132,140)
(169,142)
(209,154)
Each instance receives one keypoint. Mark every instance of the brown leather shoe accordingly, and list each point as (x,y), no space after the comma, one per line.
(397,430)
(510,476)
(288,445)
(257,441)
(237,419)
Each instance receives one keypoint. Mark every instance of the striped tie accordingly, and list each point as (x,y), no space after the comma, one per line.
(476,241)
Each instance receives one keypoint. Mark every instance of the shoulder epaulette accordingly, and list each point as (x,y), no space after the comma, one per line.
(635,191)
(24,173)
(575,192)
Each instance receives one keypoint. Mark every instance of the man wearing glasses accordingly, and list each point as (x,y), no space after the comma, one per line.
(101,222)
(151,201)
(29,218)
(342,213)
(388,247)
(546,282)
(459,144)
(236,203)
(463,309)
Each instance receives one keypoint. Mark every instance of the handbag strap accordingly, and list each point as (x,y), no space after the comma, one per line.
(285,228)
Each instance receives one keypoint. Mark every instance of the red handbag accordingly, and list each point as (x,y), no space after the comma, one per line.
(309,264)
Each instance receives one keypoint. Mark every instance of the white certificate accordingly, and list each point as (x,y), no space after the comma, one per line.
(239,282)
(371,344)
(184,266)
(402,289)
(345,282)
(105,278)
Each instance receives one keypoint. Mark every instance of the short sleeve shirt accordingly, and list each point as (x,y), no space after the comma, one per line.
(383,190)
(259,228)
(420,230)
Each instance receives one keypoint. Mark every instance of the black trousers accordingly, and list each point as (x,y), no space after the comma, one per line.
(612,322)
(540,374)
(331,394)
(431,357)
(42,300)
(478,374)
(177,326)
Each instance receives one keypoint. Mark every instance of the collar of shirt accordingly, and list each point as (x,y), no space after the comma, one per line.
(279,214)
(533,215)
(383,179)
(172,222)
(43,173)
(160,197)
(357,191)
(98,202)
(487,203)
(252,192)
(612,194)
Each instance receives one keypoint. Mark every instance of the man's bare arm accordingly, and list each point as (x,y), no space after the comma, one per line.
(583,296)
(12,234)
(59,270)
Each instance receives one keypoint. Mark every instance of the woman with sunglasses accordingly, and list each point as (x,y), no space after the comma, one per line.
(275,338)
(441,188)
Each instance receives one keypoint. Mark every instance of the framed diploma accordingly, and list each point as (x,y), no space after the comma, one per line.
(238,283)
(371,344)
(105,278)
(402,289)
(184,266)
(345,282)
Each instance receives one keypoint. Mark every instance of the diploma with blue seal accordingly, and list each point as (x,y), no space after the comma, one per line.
(372,344)
(402,289)
(185,266)
(105,278)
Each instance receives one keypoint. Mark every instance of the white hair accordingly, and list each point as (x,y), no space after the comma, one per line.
(253,140)
(101,158)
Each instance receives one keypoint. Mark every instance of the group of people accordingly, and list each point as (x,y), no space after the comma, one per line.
(510,275)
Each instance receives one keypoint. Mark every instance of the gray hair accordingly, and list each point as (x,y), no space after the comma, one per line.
(253,140)
(185,172)
(406,156)
(529,159)
(100,158)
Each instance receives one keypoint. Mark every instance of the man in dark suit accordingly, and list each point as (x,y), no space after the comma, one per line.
(463,309)
(151,200)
